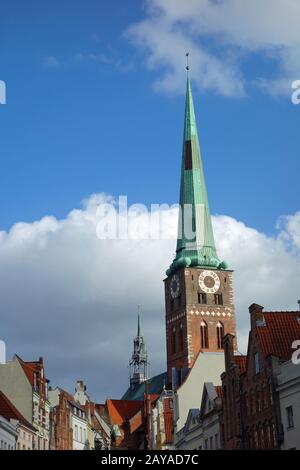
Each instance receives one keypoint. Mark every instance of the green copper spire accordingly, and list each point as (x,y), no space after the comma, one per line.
(195,242)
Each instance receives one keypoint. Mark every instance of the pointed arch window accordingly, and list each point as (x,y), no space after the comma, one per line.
(204,335)
(173,340)
(181,337)
(220,335)
(202,299)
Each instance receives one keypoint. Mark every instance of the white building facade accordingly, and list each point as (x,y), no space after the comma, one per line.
(288,389)
(211,406)
(208,367)
(79,425)
(190,436)
(8,435)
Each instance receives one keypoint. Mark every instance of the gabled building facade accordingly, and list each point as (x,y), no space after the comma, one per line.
(61,421)
(190,437)
(26,386)
(251,403)
(210,409)
(25,430)
(79,425)
(162,421)
(231,416)
(208,367)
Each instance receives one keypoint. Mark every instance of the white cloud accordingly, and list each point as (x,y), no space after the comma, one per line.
(110,58)
(51,61)
(220,35)
(73,298)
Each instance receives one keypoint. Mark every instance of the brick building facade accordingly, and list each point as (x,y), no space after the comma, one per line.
(197,320)
(61,429)
(251,417)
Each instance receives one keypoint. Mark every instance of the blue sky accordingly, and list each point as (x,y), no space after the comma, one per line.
(95,103)
(82,117)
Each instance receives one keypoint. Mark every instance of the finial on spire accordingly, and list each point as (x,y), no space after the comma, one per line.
(139,325)
(187,61)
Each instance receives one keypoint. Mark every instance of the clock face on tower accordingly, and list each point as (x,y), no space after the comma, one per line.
(209,282)
(175,286)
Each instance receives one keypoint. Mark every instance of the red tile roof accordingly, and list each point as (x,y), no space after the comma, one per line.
(278,333)
(120,410)
(30,368)
(241,362)
(9,411)
(136,421)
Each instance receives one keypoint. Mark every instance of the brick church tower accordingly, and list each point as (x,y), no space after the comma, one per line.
(198,287)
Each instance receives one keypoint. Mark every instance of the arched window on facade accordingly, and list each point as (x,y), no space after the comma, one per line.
(204,335)
(173,340)
(220,334)
(180,337)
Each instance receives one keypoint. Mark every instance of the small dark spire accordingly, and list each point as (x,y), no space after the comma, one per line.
(139,359)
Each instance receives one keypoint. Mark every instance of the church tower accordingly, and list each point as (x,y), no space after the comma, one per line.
(139,360)
(198,287)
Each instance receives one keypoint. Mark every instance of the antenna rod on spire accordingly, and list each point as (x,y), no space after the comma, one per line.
(187,61)
(139,325)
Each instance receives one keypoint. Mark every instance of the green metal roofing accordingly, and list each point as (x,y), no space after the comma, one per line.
(195,242)
(156,386)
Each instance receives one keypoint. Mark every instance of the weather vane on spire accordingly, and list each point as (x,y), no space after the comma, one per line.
(187,61)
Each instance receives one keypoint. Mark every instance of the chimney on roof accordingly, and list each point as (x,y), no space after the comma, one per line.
(256,315)
(80,386)
(80,393)
(228,345)
(2,352)
(299,304)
